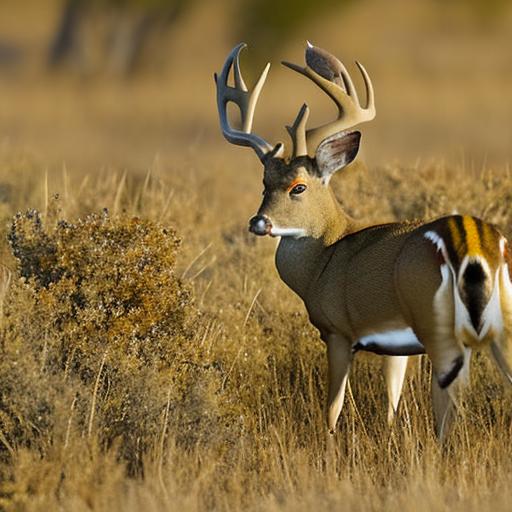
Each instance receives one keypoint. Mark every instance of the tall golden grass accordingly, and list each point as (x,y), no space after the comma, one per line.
(219,403)
(230,414)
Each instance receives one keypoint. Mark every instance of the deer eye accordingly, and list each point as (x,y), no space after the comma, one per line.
(298,189)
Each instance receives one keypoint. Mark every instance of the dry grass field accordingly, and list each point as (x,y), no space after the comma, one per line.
(151,359)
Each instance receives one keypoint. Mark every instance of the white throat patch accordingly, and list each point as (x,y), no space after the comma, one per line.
(290,232)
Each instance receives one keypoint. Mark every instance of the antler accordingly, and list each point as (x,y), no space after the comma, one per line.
(331,76)
(298,132)
(246,101)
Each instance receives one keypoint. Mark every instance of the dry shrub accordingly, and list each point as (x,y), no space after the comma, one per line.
(104,355)
(94,329)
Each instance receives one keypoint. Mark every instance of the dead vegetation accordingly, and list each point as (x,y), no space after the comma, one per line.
(135,371)
(139,373)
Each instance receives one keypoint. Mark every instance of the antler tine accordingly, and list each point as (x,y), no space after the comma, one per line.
(298,132)
(370,93)
(350,113)
(349,85)
(246,101)
(239,81)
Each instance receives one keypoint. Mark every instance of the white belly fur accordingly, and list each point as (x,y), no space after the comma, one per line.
(395,342)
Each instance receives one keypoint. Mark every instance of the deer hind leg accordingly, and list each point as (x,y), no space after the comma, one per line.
(435,330)
(448,375)
(339,356)
(501,348)
(501,361)
(395,368)
(447,401)
(425,283)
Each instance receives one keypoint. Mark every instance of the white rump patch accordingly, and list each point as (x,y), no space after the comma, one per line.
(497,316)
(447,292)
(491,316)
(399,342)
(492,319)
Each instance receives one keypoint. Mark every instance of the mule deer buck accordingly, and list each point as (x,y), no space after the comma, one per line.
(402,288)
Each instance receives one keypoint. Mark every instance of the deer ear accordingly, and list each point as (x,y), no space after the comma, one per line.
(336,152)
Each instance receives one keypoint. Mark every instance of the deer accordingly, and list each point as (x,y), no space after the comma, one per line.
(440,287)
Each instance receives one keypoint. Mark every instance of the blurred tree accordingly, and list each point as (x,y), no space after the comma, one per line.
(109,33)
(113,33)
(267,24)
(65,39)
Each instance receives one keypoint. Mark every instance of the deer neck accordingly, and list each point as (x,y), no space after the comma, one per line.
(300,261)
(336,223)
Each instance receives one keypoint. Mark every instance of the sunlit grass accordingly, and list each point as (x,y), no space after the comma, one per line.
(227,411)
(236,420)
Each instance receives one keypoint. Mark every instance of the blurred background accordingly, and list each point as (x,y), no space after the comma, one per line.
(118,82)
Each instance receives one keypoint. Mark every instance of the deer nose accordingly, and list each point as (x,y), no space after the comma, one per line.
(260,225)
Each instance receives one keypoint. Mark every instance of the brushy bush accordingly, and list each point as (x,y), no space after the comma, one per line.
(106,284)
(104,357)
(95,327)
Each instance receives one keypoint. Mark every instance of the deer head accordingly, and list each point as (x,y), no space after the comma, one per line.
(297,200)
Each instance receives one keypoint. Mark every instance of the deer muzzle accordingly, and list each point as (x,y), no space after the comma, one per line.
(260,225)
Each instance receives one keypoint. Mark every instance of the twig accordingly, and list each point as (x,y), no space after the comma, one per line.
(95,394)
(251,307)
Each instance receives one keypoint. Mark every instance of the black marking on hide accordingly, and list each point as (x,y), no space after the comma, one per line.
(474,290)
(445,379)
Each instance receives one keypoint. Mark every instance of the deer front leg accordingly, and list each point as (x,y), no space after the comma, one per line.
(339,357)
(394,373)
